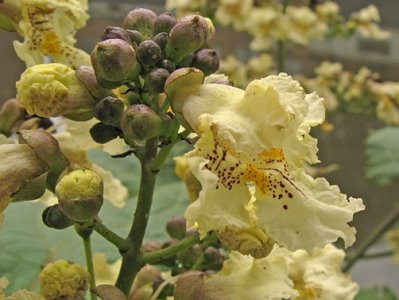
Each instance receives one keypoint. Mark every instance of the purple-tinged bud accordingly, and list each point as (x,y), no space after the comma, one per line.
(109,292)
(206,60)
(149,53)
(109,111)
(168,65)
(87,77)
(151,246)
(102,133)
(135,36)
(176,228)
(161,39)
(11,114)
(186,61)
(53,217)
(115,61)
(189,256)
(113,32)
(142,20)
(155,80)
(164,23)
(190,286)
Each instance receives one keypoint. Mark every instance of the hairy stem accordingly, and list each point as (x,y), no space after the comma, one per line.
(374,236)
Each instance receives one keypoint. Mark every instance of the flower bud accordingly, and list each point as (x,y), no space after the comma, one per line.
(102,133)
(135,36)
(149,53)
(176,228)
(161,39)
(150,246)
(113,32)
(53,217)
(80,193)
(186,61)
(206,60)
(155,80)
(114,61)
(187,36)
(168,65)
(11,114)
(190,286)
(51,90)
(109,292)
(109,111)
(63,280)
(87,77)
(139,123)
(164,23)
(147,274)
(142,293)
(189,256)
(142,20)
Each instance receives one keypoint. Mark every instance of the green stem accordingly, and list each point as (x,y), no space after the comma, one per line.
(156,256)
(378,254)
(89,264)
(380,230)
(121,243)
(131,261)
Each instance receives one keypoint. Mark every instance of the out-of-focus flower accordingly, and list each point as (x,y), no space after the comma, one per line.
(63,280)
(260,66)
(104,272)
(183,7)
(387,96)
(328,70)
(392,237)
(48,28)
(327,11)
(234,12)
(366,22)
(18,295)
(249,160)
(234,69)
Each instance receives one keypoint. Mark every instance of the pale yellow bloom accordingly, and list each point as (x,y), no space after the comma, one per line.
(184,7)
(233,12)
(49,28)
(249,160)
(387,96)
(260,66)
(392,237)
(234,69)
(327,10)
(366,22)
(323,89)
(329,70)
(18,295)
(104,272)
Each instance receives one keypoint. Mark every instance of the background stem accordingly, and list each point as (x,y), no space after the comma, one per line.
(89,264)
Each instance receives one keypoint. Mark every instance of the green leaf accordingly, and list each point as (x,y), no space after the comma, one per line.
(382,155)
(6,23)
(26,244)
(377,293)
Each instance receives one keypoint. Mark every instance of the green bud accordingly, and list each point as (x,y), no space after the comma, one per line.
(135,36)
(161,39)
(186,61)
(109,292)
(168,65)
(80,193)
(11,114)
(155,80)
(164,23)
(53,217)
(206,60)
(142,20)
(87,77)
(187,36)
(140,123)
(115,61)
(109,111)
(190,286)
(113,32)
(149,53)
(102,133)
(176,228)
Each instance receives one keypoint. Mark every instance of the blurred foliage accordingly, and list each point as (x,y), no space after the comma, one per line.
(383,293)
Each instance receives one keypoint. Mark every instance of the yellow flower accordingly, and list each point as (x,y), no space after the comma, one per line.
(249,160)
(48,28)
(234,12)
(327,10)
(366,22)
(234,69)
(393,238)
(18,295)
(63,280)
(258,67)
(387,96)
(104,272)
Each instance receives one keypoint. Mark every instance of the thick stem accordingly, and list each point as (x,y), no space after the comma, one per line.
(90,266)
(380,230)
(131,261)
(121,243)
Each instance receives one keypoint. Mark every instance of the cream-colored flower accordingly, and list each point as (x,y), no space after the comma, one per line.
(249,160)
(18,295)
(260,66)
(234,69)
(366,22)
(329,70)
(104,272)
(233,12)
(392,237)
(327,10)
(323,89)
(48,28)
(387,96)
(319,275)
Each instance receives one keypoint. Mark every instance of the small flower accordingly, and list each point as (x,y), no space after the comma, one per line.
(387,96)
(366,22)
(104,272)
(63,280)
(234,12)
(18,295)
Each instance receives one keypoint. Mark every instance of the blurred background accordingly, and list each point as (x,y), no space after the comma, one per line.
(342,146)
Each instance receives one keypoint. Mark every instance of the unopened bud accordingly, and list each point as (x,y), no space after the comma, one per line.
(206,60)
(109,111)
(87,77)
(140,123)
(53,217)
(161,39)
(164,23)
(186,61)
(115,61)
(80,193)
(151,246)
(135,36)
(102,133)
(190,286)
(142,293)
(149,53)
(142,20)
(11,114)
(176,228)
(187,36)
(168,65)
(147,274)
(113,32)
(189,256)
(155,80)
(109,292)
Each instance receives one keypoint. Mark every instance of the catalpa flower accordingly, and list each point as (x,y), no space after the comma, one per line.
(249,161)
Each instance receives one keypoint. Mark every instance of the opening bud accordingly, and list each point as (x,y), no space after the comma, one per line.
(206,60)
(53,217)
(113,32)
(149,53)
(155,80)
(176,228)
(142,20)
(102,133)
(114,60)
(140,123)
(164,23)
(109,111)
(11,114)
(80,193)
(147,274)
(190,286)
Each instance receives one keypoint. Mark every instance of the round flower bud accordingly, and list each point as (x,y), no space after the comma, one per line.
(206,60)
(142,293)
(11,114)
(87,77)
(109,292)
(155,80)
(113,32)
(176,228)
(140,123)
(164,23)
(102,133)
(168,65)
(161,39)
(63,280)
(115,61)
(149,53)
(142,20)
(186,61)
(190,285)
(109,111)
(147,274)
(52,90)
(80,193)
(135,36)
(53,217)
(151,246)
(189,256)
(187,36)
